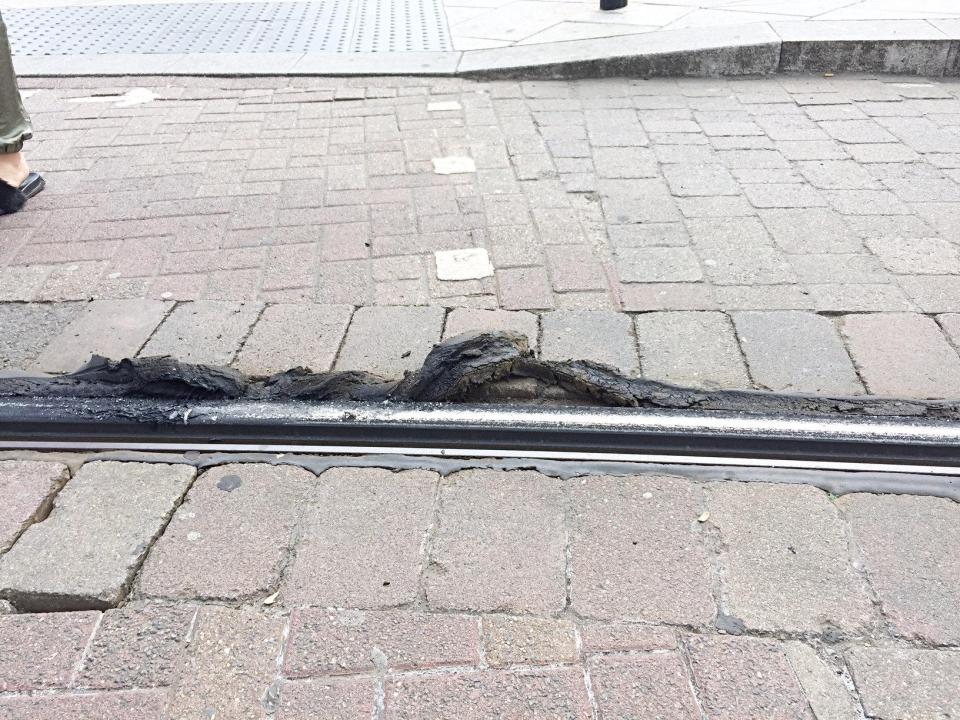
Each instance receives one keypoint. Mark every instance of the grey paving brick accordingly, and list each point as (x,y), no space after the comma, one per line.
(625,162)
(933,293)
(849,268)
(658,264)
(499,544)
(824,686)
(811,230)
(858,298)
(786,567)
(247,512)
(740,677)
(461,320)
(26,329)
(26,491)
(788,195)
(390,340)
(837,175)
(906,544)
(289,335)
(345,698)
(642,297)
(690,348)
(856,131)
(41,651)
(749,265)
(207,331)
(599,335)
(343,558)
(113,328)
(635,553)
(56,566)
(951,326)
(789,351)
(866,202)
(905,682)
(703,180)
(917,256)
(145,704)
(902,354)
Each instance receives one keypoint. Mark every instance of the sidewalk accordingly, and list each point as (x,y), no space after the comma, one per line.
(361,592)
(794,233)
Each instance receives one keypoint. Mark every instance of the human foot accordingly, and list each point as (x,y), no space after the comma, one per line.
(13,169)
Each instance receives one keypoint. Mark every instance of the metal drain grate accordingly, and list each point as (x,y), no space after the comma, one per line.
(333,26)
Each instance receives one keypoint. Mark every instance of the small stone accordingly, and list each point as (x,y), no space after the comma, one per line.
(470,264)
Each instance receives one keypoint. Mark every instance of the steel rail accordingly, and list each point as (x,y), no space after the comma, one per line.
(893,444)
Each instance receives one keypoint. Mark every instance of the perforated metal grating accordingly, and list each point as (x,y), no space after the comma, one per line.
(334,26)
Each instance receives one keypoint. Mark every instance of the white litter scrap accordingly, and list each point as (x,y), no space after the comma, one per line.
(131,98)
(470,264)
(454,165)
(444,106)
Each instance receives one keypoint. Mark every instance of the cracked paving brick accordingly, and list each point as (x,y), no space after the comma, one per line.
(27,490)
(41,651)
(390,340)
(643,686)
(206,331)
(603,336)
(85,554)
(247,512)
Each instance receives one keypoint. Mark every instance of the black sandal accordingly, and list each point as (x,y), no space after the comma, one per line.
(12,199)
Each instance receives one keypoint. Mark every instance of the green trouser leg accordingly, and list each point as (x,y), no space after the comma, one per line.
(14,122)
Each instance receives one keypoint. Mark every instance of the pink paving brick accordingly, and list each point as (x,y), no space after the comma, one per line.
(26,490)
(330,642)
(330,698)
(38,652)
(137,647)
(643,686)
(499,545)
(512,695)
(636,554)
(362,538)
(124,705)
(244,512)
(743,677)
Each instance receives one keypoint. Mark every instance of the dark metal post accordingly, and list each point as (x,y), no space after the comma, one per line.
(612,4)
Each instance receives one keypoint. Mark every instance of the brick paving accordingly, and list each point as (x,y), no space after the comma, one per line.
(792,232)
(640,596)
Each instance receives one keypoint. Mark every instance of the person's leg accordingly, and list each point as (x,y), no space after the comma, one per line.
(14,122)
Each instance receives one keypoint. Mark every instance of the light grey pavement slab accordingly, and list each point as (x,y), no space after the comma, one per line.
(261,208)
(393,599)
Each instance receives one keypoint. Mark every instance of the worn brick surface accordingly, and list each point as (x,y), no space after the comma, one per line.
(795,352)
(204,332)
(246,512)
(26,494)
(511,640)
(113,328)
(905,682)
(325,641)
(599,335)
(389,340)
(555,694)
(741,677)
(902,354)
(499,544)
(84,555)
(342,698)
(231,666)
(636,553)
(907,544)
(42,651)
(294,335)
(142,704)
(136,647)
(786,566)
(26,329)
(690,348)
(644,686)
(362,538)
